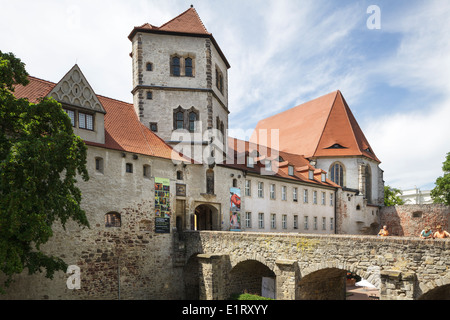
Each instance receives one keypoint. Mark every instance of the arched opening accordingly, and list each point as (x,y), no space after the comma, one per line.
(252,277)
(191,279)
(206,218)
(336,284)
(368,186)
(337,173)
(439,293)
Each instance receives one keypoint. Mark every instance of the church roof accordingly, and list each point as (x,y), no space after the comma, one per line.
(123,130)
(323,127)
(187,23)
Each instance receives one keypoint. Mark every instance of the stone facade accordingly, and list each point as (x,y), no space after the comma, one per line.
(410,220)
(314,266)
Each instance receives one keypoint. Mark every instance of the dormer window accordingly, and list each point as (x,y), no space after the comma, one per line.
(324,177)
(250,162)
(85,121)
(311,174)
(291,170)
(336,146)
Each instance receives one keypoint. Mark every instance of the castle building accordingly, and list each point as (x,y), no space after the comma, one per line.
(165,164)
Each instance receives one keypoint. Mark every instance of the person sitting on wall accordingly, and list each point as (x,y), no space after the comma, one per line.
(441,234)
(383,232)
(426,233)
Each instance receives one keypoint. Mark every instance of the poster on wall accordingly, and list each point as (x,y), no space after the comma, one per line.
(162,205)
(235,209)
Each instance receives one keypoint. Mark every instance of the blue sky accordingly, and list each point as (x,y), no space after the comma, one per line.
(282,53)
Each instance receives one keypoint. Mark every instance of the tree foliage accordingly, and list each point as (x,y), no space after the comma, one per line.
(40,160)
(391,196)
(441,193)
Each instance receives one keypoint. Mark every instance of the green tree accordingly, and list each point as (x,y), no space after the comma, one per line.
(391,196)
(441,193)
(40,160)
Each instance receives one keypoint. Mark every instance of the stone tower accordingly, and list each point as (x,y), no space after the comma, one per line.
(180,82)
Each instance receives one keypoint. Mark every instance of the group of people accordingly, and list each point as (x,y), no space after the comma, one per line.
(426,233)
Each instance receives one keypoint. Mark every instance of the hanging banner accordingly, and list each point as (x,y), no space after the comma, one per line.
(162,205)
(235,209)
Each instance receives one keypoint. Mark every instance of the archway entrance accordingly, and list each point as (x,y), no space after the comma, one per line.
(252,277)
(206,218)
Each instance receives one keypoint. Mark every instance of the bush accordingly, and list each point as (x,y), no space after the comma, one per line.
(247,296)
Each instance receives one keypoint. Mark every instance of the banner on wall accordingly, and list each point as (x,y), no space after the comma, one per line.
(162,205)
(235,209)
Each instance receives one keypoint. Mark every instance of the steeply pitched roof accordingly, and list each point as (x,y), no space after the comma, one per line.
(237,159)
(323,127)
(123,130)
(187,23)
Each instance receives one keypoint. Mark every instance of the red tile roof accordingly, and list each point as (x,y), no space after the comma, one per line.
(239,149)
(187,23)
(123,130)
(323,127)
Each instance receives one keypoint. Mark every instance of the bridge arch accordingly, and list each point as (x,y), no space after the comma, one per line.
(437,293)
(247,276)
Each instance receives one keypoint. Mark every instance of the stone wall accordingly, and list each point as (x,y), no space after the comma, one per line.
(401,267)
(410,220)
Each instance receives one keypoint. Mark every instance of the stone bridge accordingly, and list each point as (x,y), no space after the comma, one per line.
(302,266)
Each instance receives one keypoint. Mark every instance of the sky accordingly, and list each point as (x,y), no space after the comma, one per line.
(391,62)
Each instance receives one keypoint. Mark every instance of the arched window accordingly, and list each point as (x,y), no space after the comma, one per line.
(188,67)
(337,173)
(192,120)
(113,220)
(175,66)
(179,120)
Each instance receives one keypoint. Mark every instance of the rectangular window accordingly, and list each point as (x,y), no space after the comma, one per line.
(129,168)
(248,219)
(99,164)
(294,194)
(261,220)
(291,170)
(248,188)
(315,197)
(295,222)
(315,223)
(311,174)
(331,223)
(250,163)
(323,198)
(260,190)
(305,196)
(324,223)
(71,115)
(273,221)
(85,121)
(283,193)
(272,191)
(284,221)
(331,199)
(305,223)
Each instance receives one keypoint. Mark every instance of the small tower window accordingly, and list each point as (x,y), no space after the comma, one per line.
(154,126)
(188,67)
(192,120)
(146,171)
(175,65)
(149,95)
(149,66)
(179,120)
